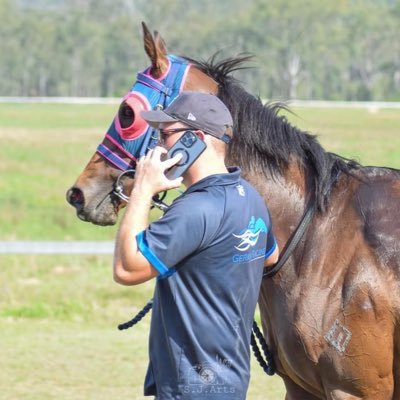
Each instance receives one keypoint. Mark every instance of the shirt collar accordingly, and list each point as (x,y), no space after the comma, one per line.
(230,178)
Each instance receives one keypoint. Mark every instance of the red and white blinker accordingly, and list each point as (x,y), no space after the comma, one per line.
(129,122)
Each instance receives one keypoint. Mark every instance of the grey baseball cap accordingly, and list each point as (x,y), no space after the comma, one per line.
(198,110)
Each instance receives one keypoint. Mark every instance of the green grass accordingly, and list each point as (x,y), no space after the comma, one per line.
(372,138)
(58,330)
(56,116)
(58,336)
(43,150)
(58,314)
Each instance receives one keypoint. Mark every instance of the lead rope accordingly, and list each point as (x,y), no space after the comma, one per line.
(267,364)
(138,317)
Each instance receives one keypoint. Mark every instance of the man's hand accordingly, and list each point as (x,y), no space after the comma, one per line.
(150,176)
(130,266)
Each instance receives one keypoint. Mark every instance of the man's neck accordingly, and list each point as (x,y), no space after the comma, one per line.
(202,170)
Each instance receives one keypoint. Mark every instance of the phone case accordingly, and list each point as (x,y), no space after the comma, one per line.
(191,147)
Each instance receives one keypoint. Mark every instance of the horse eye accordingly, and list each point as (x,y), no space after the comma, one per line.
(126,115)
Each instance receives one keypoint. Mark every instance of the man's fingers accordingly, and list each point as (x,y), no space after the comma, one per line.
(172,161)
(175,183)
(150,153)
(157,151)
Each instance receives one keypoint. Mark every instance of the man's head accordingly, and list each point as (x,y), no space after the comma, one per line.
(210,121)
(197,111)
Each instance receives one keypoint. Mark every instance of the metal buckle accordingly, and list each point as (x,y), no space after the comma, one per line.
(157,200)
(118,187)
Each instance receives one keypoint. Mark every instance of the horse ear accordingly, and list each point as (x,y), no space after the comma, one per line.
(156,50)
(160,43)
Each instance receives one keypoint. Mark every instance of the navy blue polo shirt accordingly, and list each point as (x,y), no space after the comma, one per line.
(209,248)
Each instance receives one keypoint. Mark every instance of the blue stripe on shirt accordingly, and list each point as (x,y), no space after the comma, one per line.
(271,250)
(143,247)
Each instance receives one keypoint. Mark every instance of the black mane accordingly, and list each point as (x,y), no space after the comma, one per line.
(265,141)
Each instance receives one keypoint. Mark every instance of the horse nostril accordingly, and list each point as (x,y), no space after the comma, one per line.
(75,198)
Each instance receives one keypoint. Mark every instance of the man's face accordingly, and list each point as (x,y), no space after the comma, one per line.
(168,135)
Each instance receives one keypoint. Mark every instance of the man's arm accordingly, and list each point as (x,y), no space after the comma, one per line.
(272,258)
(130,266)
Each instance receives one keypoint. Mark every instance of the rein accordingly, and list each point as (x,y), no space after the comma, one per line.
(294,240)
(292,243)
(267,362)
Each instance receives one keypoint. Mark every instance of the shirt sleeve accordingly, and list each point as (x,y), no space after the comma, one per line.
(182,230)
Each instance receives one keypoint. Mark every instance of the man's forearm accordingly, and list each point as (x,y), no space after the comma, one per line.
(130,266)
(135,220)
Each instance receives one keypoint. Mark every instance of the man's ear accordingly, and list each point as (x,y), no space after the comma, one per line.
(200,134)
(156,50)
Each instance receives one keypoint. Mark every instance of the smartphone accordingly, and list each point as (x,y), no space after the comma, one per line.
(190,146)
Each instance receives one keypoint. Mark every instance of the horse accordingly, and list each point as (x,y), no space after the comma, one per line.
(331,314)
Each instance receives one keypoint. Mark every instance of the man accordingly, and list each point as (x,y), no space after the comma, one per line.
(208,252)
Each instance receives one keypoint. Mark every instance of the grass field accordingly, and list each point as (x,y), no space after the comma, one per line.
(58,314)
(58,336)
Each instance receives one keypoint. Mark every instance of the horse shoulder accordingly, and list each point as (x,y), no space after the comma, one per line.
(377,202)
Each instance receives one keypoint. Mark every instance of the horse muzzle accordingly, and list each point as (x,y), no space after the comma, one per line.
(100,210)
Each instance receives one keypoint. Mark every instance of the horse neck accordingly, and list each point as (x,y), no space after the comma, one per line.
(278,173)
(288,186)
(285,195)
(287,166)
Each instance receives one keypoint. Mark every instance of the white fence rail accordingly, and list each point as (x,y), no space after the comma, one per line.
(116,100)
(54,247)
(61,100)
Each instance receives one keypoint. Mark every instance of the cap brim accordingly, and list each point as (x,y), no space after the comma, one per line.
(157,117)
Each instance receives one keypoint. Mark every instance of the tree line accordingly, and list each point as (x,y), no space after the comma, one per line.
(306,49)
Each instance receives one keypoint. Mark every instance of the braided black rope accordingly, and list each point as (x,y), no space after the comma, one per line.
(268,365)
(138,317)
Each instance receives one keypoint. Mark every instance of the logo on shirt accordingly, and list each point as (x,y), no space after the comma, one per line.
(249,237)
(241,190)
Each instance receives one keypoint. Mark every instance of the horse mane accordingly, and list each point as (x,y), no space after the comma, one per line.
(265,141)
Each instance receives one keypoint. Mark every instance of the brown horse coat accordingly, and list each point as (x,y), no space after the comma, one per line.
(331,314)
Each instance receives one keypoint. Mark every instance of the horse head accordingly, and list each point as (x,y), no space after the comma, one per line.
(129,136)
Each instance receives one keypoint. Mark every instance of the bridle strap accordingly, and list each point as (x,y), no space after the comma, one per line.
(150,142)
(112,157)
(293,241)
(154,84)
(298,233)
